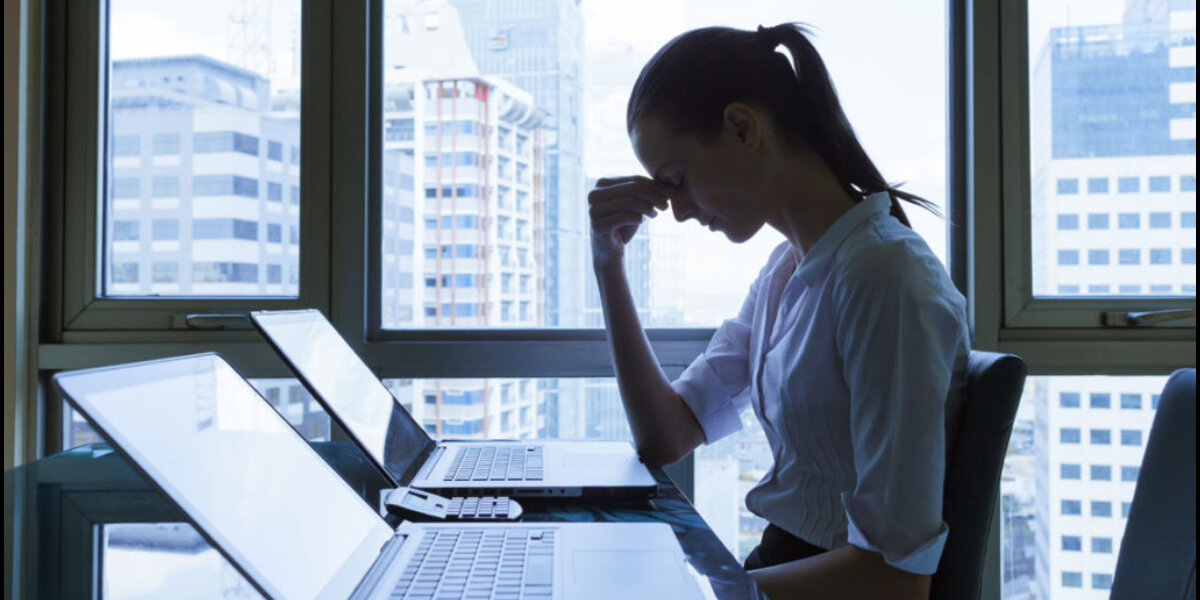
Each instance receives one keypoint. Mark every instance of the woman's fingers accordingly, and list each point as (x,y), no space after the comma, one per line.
(646,190)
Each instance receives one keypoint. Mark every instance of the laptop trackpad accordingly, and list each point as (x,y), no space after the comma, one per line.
(636,568)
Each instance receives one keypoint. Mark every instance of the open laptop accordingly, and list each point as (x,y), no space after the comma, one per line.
(405,453)
(254,488)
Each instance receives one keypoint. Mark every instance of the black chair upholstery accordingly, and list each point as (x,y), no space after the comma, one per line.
(1158,552)
(975,453)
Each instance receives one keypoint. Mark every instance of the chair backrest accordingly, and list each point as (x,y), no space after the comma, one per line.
(1158,552)
(975,452)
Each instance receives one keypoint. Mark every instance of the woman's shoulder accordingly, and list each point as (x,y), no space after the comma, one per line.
(885,253)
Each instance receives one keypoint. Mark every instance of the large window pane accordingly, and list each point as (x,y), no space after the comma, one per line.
(518,408)
(487,161)
(1066,491)
(1113,146)
(204,134)
(165,560)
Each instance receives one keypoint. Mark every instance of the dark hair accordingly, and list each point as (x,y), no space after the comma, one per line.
(691,80)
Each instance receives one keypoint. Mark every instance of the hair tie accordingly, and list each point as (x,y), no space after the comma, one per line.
(769,37)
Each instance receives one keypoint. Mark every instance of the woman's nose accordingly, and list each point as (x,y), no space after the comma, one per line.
(682,208)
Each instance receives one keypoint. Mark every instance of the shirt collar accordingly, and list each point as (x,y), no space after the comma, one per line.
(818,256)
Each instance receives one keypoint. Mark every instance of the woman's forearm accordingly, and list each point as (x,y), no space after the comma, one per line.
(848,573)
(664,429)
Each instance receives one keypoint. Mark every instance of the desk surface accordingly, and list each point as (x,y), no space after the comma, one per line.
(63,512)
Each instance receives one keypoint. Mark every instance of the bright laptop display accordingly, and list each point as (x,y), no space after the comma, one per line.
(339,377)
(217,449)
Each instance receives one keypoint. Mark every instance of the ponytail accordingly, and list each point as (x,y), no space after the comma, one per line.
(695,76)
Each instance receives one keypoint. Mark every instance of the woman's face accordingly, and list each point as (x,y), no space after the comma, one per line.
(719,183)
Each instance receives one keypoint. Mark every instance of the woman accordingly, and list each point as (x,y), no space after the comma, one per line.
(851,345)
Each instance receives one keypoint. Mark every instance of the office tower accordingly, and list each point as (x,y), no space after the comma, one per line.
(463,216)
(204,193)
(1113,213)
(538,46)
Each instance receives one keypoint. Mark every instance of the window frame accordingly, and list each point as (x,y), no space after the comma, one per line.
(1024,315)
(77,66)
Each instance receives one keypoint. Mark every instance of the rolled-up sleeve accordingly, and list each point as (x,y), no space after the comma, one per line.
(899,343)
(716,386)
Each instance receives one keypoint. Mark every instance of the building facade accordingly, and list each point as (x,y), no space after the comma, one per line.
(1113,214)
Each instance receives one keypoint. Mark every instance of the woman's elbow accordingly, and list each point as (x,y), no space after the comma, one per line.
(658,455)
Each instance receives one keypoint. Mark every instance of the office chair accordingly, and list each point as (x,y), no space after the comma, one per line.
(975,451)
(1158,553)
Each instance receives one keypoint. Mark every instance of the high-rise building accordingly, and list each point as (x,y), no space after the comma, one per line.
(1113,214)
(203,194)
(463,213)
(538,46)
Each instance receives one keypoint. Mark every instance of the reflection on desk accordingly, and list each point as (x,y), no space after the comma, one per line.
(59,507)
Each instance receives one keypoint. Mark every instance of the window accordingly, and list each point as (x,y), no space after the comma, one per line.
(1098,256)
(1131,437)
(1099,400)
(185,124)
(1068,257)
(1072,579)
(224,229)
(1068,187)
(1160,220)
(1101,473)
(1160,256)
(165,187)
(166,144)
(1072,543)
(1187,220)
(1129,221)
(165,272)
(1068,400)
(1129,256)
(1068,471)
(125,231)
(1129,474)
(1187,183)
(1098,221)
(1097,185)
(274,233)
(1102,581)
(1068,222)
(1131,401)
(1187,256)
(1072,507)
(1160,183)
(1100,437)
(165,229)
(1102,545)
(1101,508)
(1069,435)
(1128,185)
(126,145)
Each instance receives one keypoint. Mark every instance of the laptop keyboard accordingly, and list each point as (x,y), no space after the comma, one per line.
(497,564)
(493,463)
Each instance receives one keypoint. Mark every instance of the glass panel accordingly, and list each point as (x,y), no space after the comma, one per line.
(1068,481)
(562,408)
(166,560)
(203,148)
(287,396)
(1113,147)
(485,182)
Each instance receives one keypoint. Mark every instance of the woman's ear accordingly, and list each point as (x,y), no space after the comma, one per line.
(745,123)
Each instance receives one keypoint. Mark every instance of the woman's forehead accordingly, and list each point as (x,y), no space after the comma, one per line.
(654,145)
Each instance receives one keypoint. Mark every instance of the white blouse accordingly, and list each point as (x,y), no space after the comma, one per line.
(853,359)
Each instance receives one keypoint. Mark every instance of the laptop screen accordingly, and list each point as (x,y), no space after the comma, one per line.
(348,389)
(236,467)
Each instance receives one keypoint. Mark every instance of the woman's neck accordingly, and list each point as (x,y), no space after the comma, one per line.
(810,202)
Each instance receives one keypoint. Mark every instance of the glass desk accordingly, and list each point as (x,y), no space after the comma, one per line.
(83,524)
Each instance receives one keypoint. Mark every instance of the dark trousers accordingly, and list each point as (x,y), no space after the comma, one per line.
(779,546)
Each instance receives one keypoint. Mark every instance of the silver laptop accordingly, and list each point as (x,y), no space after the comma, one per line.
(405,453)
(260,495)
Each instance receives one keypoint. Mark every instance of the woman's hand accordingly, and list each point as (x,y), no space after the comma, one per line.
(617,207)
